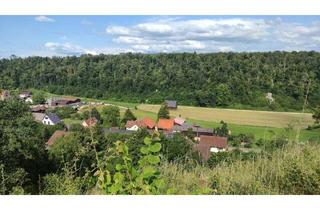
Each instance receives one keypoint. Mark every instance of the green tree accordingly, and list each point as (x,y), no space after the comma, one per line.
(96,114)
(22,149)
(223,95)
(163,112)
(128,115)
(316,115)
(223,130)
(38,98)
(111,115)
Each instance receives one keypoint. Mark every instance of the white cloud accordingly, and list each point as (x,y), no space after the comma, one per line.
(216,34)
(65,49)
(44,19)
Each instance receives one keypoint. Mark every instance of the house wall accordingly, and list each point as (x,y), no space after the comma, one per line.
(47,121)
(133,128)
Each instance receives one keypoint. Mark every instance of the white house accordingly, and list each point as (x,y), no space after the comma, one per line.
(29,100)
(51,119)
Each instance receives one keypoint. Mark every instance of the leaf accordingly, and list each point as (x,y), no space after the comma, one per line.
(152,159)
(118,177)
(144,150)
(118,167)
(148,172)
(147,141)
(155,148)
(115,188)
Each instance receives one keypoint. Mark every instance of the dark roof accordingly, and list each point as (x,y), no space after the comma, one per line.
(39,108)
(207,142)
(117,130)
(186,126)
(53,117)
(171,103)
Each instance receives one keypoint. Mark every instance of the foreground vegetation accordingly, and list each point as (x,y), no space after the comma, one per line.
(90,161)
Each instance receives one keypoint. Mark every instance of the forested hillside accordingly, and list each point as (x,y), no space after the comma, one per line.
(220,79)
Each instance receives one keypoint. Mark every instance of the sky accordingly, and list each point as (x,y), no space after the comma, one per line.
(75,35)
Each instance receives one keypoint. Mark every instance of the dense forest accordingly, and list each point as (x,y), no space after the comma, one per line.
(238,80)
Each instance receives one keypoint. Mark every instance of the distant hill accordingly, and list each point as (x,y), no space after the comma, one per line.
(235,80)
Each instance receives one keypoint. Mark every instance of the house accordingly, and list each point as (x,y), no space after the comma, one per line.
(38,109)
(4,95)
(195,129)
(171,104)
(50,119)
(29,100)
(211,144)
(116,130)
(53,102)
(56,135)
(165,124)
(25,94)
(88,123)
(150,124)
(134,125)
(179,121)
(38,116)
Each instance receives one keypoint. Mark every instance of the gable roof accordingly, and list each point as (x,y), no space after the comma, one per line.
(53,117)
(179,120)
(38,116)
(90,122)
(207,142)
(56,135)
(139,123)
(149,122)
(165,124)
(171,103)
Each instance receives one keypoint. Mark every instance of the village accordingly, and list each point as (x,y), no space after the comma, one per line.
(204,139)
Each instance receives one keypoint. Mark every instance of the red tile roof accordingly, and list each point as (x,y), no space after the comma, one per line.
(207,142)
(149,122)
(56,135)
(165,124)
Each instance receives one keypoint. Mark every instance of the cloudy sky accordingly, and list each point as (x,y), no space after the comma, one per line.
(75,35)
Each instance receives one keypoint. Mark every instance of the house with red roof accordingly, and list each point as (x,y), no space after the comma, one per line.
(211,144)
(165,124)
(88,123)
(149,123)
(134,125)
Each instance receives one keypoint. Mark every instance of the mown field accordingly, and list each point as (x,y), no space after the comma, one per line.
(240,117)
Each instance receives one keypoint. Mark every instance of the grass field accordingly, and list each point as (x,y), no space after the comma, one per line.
(240,117)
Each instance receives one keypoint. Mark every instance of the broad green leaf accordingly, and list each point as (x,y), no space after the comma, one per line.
(152,159)
(118,167)
(148,172)
(147,141)
(144,150)
(155,148)
(118,177)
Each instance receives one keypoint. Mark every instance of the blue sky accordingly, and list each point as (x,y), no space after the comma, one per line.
(75,35)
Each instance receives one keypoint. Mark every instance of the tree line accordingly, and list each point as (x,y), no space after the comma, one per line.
(235,80)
